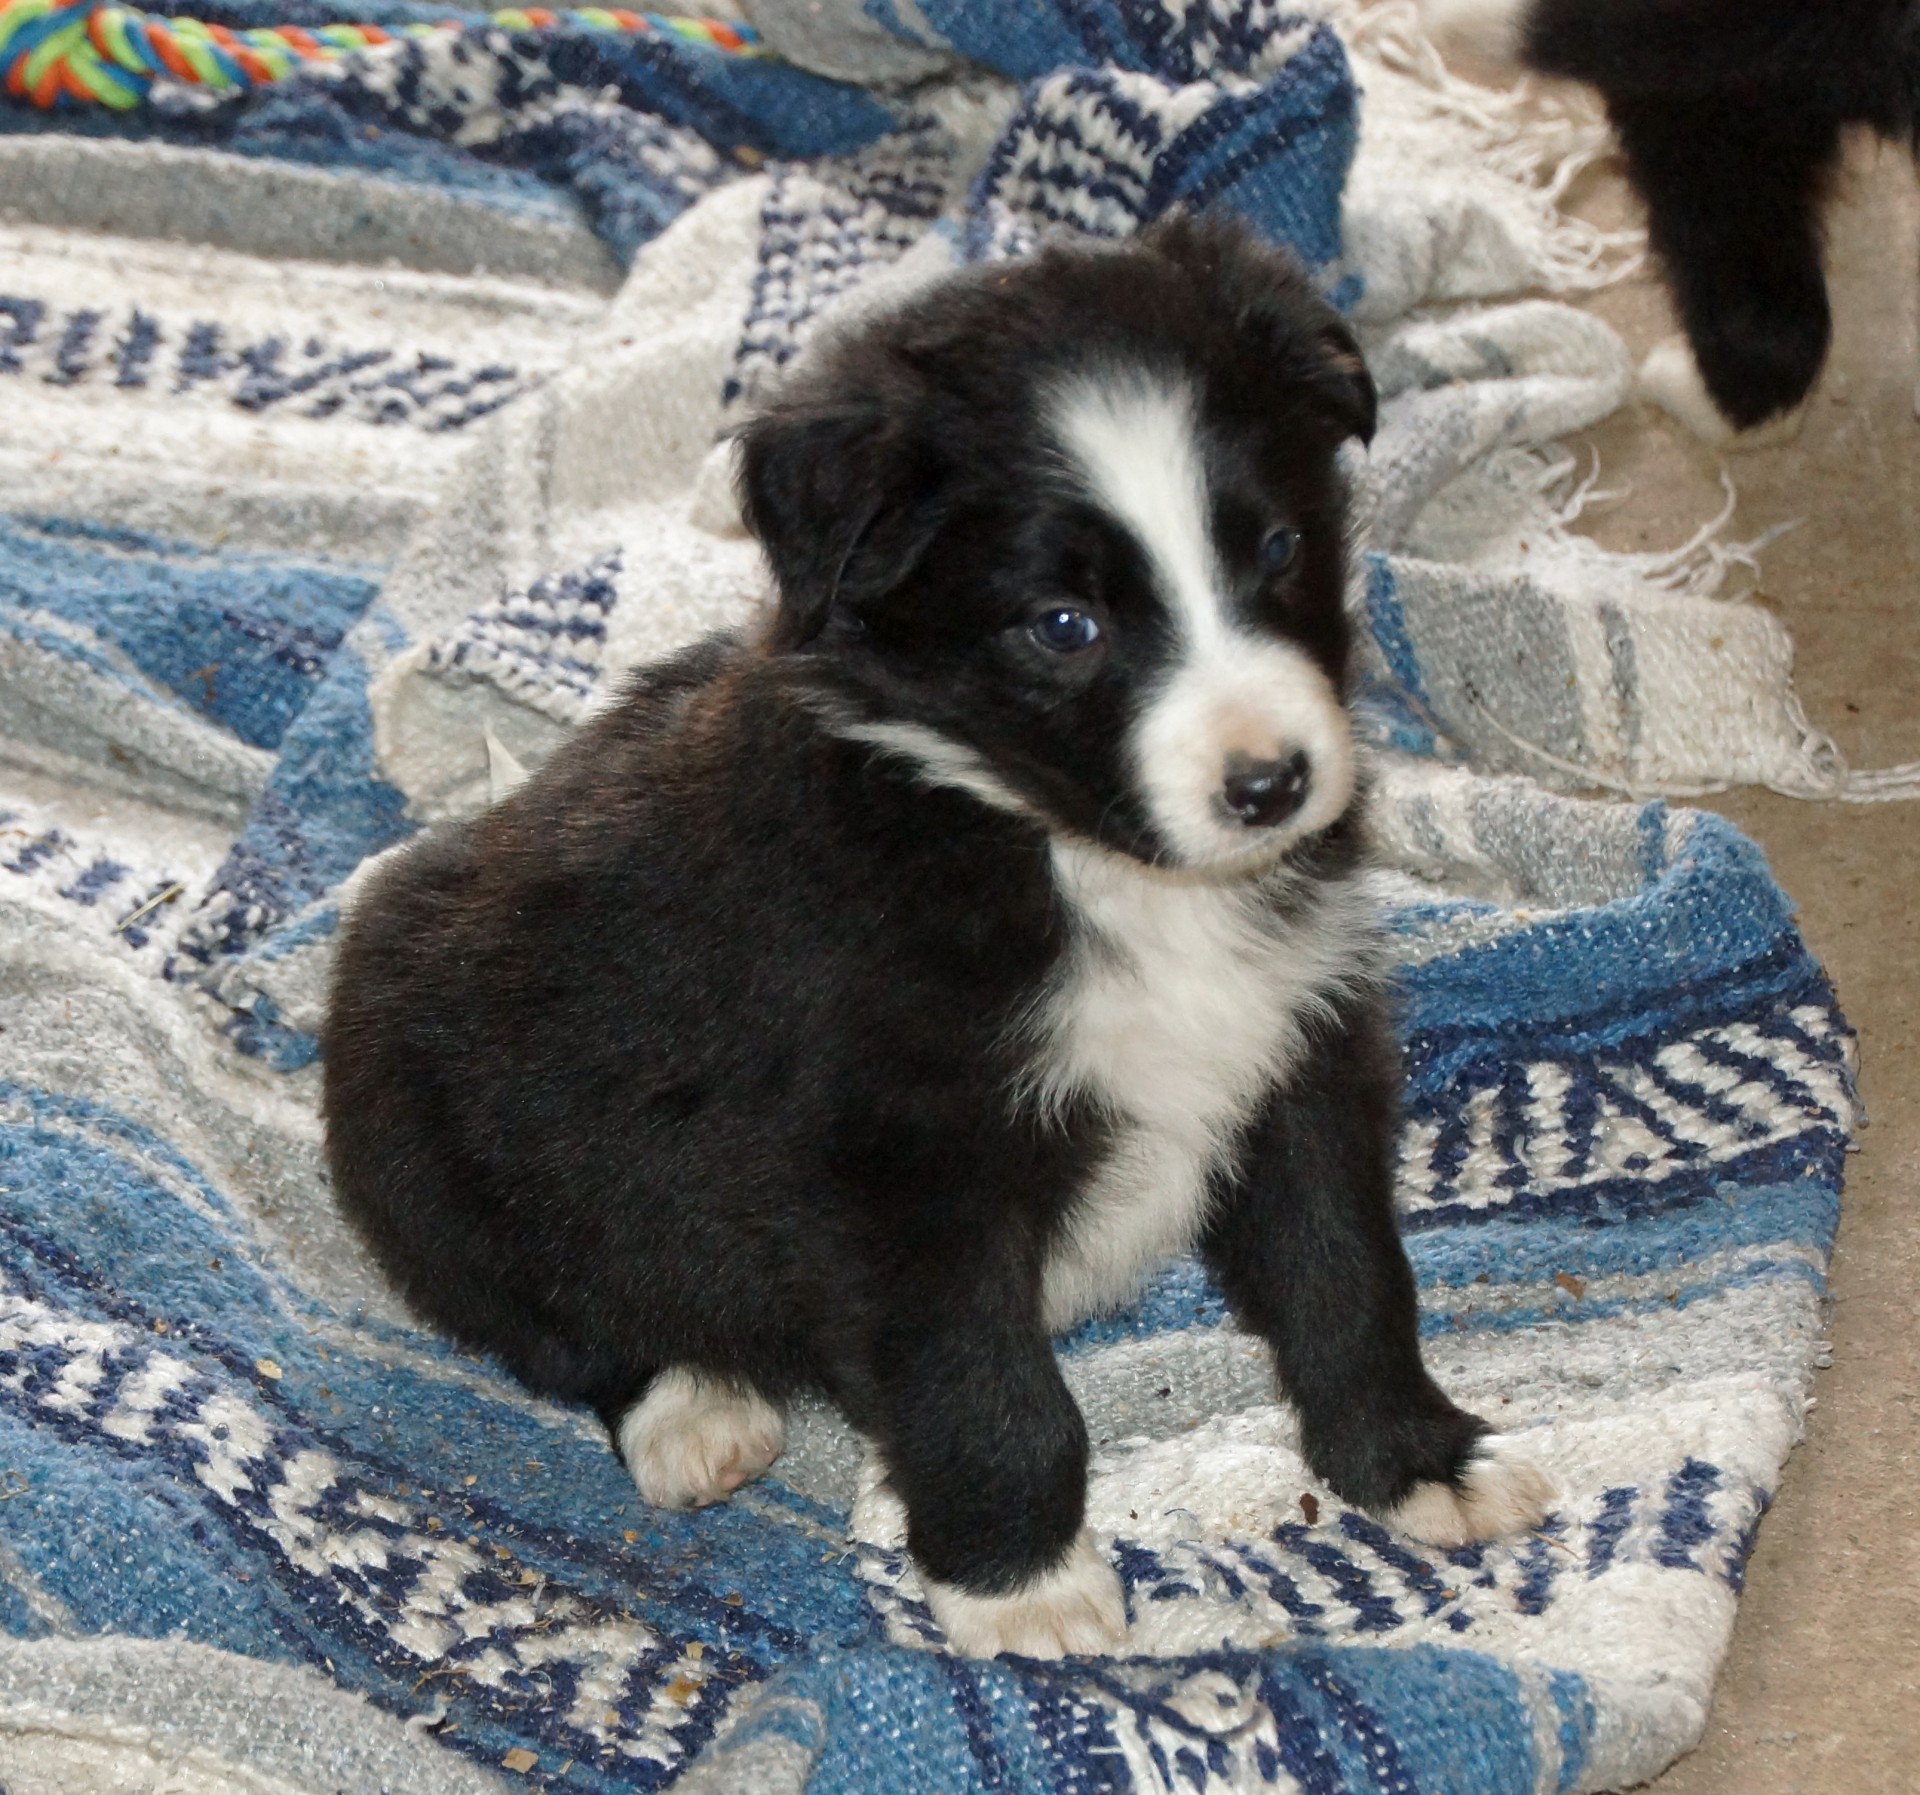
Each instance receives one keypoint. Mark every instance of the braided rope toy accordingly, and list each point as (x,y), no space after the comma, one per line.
(96,52)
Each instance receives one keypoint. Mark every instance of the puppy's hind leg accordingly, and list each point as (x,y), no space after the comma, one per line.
(695,1437)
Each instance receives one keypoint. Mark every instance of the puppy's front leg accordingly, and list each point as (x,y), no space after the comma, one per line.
(1305,1248)
(987,1449)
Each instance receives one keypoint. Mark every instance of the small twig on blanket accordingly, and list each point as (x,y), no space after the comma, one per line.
(153,903)
(16,1484)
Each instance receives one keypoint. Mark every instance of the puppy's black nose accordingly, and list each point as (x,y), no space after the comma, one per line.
(1264,792)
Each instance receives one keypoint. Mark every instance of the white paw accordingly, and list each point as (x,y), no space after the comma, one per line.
(1670,378)
(1075,1608)
(1501,1491)
(694,1439)
(1492,30)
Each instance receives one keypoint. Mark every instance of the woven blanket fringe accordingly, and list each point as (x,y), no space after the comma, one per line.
(1699,568)
(1827,775)
(1539,137)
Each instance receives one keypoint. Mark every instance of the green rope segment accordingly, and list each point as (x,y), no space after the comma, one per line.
(98,53)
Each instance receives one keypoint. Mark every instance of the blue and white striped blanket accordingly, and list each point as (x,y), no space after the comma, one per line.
(296,555)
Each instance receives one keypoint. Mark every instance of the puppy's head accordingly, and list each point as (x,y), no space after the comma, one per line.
(1069,532)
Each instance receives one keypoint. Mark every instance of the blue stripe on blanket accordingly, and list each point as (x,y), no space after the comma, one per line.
(1333,1720)
(1512,1251)
(315,132)
(241,639)
(1518,1253)
(1742,942)
(324,810)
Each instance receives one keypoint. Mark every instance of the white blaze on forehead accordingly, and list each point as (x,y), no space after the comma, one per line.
(1231,692)
(1134,439)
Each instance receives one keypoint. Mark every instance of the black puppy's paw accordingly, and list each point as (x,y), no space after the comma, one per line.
(1438,1474)
(694,1439)
(1761,349)
(1669,377)
(1734,188)
(1496,1490)
(1076,1608)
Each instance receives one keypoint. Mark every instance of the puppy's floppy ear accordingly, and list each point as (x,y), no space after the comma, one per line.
(1344,384)
(1263,289)
(829,488)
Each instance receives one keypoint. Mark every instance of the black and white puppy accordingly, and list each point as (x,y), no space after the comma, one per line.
(1730,113)
(861,1001)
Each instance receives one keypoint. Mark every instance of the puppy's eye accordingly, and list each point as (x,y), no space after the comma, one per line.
(1064,630)
(1279,549)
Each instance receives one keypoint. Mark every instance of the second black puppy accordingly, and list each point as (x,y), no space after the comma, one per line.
(1731,114)
(857,1003)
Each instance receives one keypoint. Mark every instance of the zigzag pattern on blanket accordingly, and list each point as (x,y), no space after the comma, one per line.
(543,646)
(1105,150)
(118,903)
(826,227)
(145,352)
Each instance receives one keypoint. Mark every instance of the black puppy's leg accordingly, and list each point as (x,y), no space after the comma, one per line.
(695,1436)
(987,1449)
(1687,47)
(1733,190)
(1304,1245)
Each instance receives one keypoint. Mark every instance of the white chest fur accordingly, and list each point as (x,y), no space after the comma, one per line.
(1180,1005)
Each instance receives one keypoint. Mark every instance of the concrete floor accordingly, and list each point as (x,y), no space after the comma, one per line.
(1821,1692)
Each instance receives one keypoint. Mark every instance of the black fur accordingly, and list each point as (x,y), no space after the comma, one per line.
(1730,113)
(1305,1249)
(699,1049)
